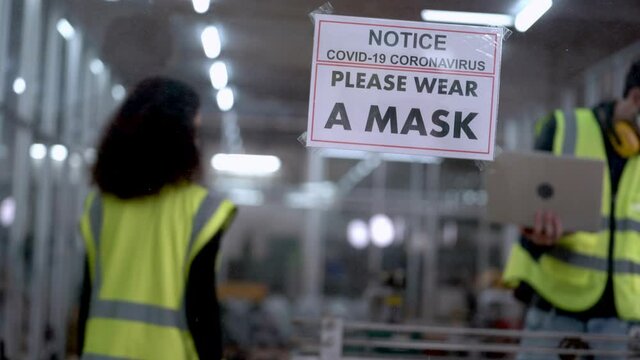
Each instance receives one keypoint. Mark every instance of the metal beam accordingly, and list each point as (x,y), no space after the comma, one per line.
(312,247)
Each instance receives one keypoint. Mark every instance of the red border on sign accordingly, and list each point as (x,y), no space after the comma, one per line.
(421,70)
(313,116)
(495,47)
(412,68)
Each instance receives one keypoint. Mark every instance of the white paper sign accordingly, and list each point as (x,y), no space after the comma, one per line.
(405,87)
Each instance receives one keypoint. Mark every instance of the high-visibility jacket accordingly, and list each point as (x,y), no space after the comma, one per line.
(139,253)
(573,274)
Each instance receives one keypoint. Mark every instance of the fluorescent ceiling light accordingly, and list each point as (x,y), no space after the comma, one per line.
(96,66)
(59,152)
(118,92)
(225,99)
(218,74)
(201,6)
(531,13)
(463,17)
(246,165)
(211,42)
(38,151)
(65,29)
(19,86)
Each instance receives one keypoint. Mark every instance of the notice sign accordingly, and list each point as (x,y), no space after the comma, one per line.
(405,87)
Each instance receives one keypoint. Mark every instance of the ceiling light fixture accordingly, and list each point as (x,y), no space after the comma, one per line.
(37,151)
(225,99)
(218,74)
(531,13)
(118,92)
(201,6)
(59,152)
(246,165)
(211,42)
(463,17)
(65,29)
(19,86)
(96,66)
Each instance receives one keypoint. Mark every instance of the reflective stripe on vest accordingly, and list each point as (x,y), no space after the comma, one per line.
(570,133)
(622,224)
(203,215)
(627,225)
(149,314)
(593,262)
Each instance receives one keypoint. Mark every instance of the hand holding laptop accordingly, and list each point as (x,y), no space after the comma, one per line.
(546,231)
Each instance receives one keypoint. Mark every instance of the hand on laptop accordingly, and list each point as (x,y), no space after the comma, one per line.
(547,229)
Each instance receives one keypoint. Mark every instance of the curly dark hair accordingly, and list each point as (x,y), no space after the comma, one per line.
(151,141)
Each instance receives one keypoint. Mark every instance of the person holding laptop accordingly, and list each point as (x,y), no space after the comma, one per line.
(587,282)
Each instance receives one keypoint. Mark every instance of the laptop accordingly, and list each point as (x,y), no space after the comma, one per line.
(519,184)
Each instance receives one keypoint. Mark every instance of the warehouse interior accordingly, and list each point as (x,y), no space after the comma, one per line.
(289,254)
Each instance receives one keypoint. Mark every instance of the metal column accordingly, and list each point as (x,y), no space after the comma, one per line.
(41,265)
(28,69)
(430,250)
(484,246)
(71,113)
(103,106)
(378,206)
(41,246)
(5,22)
(44,212)
(231,138)
(5,9)
(413,256)
(5,29)
(51,93)
(88,102)
(312,247)
(65,206)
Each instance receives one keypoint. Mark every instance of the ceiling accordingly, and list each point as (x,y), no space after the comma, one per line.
(267,46)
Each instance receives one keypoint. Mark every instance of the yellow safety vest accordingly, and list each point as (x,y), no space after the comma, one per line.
(139,254)
(572,275)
